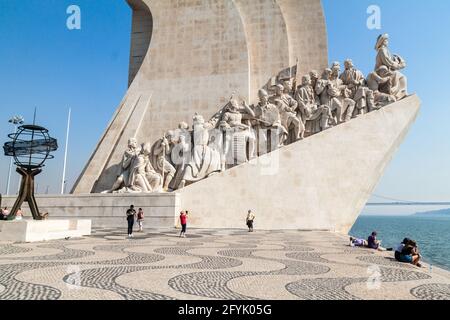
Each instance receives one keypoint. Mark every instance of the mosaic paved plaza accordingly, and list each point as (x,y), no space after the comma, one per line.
(210,264)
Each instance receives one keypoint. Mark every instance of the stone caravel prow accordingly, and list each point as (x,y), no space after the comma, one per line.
(320,183)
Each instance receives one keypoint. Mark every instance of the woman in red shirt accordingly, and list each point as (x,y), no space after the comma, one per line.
(183,221)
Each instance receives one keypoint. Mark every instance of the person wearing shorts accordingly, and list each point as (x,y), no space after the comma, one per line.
(249,220)
(410,254)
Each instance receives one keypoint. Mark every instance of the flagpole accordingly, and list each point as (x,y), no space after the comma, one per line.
(63,182)
(10,166)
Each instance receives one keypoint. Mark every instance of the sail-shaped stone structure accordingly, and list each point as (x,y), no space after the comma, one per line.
(191,56)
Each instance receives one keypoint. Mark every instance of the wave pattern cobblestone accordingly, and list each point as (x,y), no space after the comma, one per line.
(209,264)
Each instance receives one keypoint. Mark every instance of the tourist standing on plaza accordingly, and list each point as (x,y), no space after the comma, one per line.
(249,220)
(131,213)
(140,219)
(183,222)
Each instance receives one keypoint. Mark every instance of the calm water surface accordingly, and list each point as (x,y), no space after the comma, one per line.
(431,233)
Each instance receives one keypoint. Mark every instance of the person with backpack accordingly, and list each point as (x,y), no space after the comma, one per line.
(131,214)
(140,219)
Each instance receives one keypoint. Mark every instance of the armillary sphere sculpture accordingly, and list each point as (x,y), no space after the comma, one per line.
(31,146)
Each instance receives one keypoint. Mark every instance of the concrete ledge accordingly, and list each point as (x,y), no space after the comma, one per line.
(107,210)
(33,231)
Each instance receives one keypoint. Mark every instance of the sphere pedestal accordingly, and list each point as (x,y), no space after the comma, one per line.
(26,193)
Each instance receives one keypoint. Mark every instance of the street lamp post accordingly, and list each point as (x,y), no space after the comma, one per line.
(16,120)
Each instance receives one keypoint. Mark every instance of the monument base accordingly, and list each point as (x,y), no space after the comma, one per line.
(108,210)
(34,231)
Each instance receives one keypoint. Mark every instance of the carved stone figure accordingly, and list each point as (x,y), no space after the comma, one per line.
(359,92)
(342,94)
(394,63)
(180,146)
(141,175)
(314,75)
(153,177)
(160,158)
(234,129)
(287,106)
(183,126)
(379,82)
(204,159)
(313,114)
(142,178)
(267,119)
(288,86)
(384,57)
(123,178)
(328,95)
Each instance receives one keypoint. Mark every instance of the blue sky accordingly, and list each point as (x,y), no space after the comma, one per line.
(45,65)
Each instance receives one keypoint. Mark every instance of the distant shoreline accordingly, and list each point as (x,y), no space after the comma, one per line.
(436,213)
(445,213)
(418,214)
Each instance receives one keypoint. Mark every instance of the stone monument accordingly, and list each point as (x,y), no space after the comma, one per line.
(214,50)
(299,142)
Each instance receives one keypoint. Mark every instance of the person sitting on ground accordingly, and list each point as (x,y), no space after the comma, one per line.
(355,242)
(19,214)
(372,241)
(410,254)
(4,214)
(398,252)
